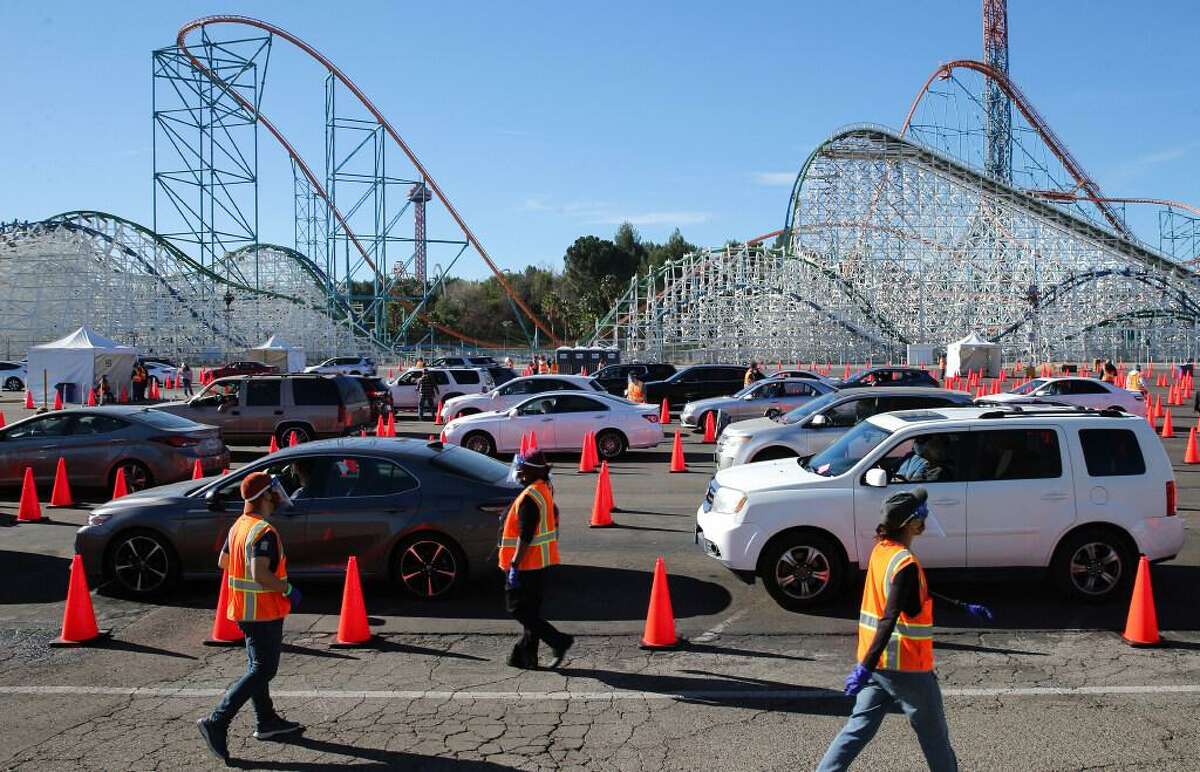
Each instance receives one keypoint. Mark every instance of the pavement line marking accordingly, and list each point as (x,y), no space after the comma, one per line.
(618,694)
(720,627)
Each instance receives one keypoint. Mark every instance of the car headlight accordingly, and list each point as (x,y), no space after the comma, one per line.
(728,501)
(99,518)
(732,442)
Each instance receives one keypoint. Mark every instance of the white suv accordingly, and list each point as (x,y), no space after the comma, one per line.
(344,366)
(452,382)
(1080,492)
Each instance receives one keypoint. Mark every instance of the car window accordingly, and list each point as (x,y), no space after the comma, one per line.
(513,388)
(7,366)
(1018,454)
(223,389)
(1086,387)
(659,372)
(45,426)
(409,378)
(263,393)
(931,458)
(551,384)
(352,390)
(851,411)
(577,404)
(794,389)
(1111,452)
(728,374)
(1052,389)
(543,406)
(889,404)
(466,376)
(469,464)
(355,476)
(769,390)
(302,478)
(103,424)
(851,448)
(315,391)
(440,377)
(163,420)
(595,384)
(798,414)
(693,376)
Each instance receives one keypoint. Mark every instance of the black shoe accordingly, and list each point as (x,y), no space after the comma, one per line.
(215,737)
(521,663)
(277,727)
(561,654)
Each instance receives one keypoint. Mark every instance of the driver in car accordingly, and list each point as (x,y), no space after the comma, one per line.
(928,461)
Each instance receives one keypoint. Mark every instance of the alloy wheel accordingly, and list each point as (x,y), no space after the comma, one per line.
(803,572)
(428,568)
(12,384)
(1096,568)
(137,477)
(141,564)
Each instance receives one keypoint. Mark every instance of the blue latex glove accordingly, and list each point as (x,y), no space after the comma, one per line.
(294,596)
(857,680)
(981,611)
(513,580)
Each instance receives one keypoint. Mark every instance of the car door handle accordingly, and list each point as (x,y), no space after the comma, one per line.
(945,502)
(1054,497)
(544,420)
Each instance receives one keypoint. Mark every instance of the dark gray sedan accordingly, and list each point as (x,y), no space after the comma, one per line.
(422,514)
(151,447)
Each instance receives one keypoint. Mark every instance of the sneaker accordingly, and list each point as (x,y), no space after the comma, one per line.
(521,662)
(277,727)
(215,737)
(561,654)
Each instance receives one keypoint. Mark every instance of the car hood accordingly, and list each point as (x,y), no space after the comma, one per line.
(711,403)
(755,426)
(475,418)
(170,406)
(784,474)
(157,496)
(1006,396)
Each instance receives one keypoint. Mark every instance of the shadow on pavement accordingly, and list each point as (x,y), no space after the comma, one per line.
(376,758)
(387,645)
(115,644)
(708,648)
(27,577)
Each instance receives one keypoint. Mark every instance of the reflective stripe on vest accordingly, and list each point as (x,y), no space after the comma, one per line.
(543,547)
(910,646)
(248,600)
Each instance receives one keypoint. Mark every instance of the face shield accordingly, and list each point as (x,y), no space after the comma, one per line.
(281,496)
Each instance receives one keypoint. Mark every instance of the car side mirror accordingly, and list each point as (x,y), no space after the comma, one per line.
(819,420)
(512,412)
(877,478)
(213,500)
(751,396)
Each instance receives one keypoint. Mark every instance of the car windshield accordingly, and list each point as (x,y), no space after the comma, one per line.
(163,420)
(796,415)
(848,451)
(468,463)
(1030,387)
(746,390)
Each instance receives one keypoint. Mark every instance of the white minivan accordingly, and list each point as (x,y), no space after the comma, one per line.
(1080,492)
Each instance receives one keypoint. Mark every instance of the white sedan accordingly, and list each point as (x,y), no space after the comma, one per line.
(1086,392)
(560,419)
(516,391)
(13,376)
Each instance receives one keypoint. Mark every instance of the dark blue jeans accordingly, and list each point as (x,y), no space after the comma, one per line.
(263,643)
(429,404)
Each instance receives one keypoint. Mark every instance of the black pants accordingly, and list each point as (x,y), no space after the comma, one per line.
(524,602)
(263,643)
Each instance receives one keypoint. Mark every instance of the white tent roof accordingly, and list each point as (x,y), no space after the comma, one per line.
(974,340)
(276,343)
(86,338)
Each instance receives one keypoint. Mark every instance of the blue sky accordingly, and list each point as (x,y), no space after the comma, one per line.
(544,121)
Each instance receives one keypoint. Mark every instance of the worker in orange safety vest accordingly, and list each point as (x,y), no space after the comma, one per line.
(635,391)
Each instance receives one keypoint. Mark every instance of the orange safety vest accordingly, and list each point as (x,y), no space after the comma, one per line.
(249,601)
(543,549)
(635,392)
(911,645)
(543,368)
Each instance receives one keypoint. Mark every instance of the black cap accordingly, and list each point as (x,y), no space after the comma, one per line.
(535,462)
(899,507)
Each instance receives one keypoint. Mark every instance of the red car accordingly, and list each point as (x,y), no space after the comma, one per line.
(244,368)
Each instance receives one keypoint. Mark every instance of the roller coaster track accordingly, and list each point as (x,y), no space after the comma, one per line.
(332,69)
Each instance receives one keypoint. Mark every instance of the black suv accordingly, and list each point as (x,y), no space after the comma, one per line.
(889,376)
(469,361)
(614,377)
(696,382)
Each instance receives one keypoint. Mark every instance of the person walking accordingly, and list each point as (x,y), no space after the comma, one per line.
(753,374)
(260,597)
(139,382)
(528,548)
(104,393)
(895,643)
(427,392)
(1133,379)
(185,377)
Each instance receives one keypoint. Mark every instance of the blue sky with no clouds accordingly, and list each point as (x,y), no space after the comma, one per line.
(547,120)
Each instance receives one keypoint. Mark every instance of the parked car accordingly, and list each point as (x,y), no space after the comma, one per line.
(151,447)
(1087,392)
(696,382)
(1078,492)
(160,370)
(13,376)
(614,378)
(889,376)
(422,515)
(515,391)
(809,374)
(463,361)
(560,419)
(771,398)
(811,427)
(344,366)
(253,408)
(379,394)
(451,381)
(231,369)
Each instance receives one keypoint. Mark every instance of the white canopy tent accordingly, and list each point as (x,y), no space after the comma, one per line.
(76,362)
(277,352)
(973,353)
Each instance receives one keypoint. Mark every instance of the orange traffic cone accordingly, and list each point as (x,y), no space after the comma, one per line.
(391,425)
(380,427)
(602,502)
(352,624)
(1168,430)
(123,397)
(524,449)
(225,632)
(120,488)
(91,400)
(1141,628)
(79,619)
(664,415)
(61,495)
(659,632)
(274,446)
(28,399)
(58,403)
(533,441)
(29,510)
(293,440)
(437,417)
(677,462)
(710,427)
(2,421)
(606,483)
(587,461)
(1192,454)
(197,470)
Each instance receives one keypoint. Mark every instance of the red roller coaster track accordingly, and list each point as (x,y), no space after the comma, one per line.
(195,24)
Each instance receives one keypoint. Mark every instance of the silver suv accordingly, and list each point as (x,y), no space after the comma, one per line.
(813,426)
(257,407)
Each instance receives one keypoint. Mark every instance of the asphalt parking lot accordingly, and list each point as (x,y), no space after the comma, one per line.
(1048,685)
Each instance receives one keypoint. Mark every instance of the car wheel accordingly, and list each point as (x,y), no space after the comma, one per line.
(702,421)
(141,564)
(802,570)
(773,413)
(1095,564)
(429,566)
(773,454)
(137,476)
(480,442)
(283,435)
(610,444)
(13,383)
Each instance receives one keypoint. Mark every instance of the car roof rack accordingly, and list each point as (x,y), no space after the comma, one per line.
(1017,411)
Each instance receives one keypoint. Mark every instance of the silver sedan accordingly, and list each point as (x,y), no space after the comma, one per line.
(771,397)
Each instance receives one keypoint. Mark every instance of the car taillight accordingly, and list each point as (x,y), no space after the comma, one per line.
(442,437)
(651,417)
(343,415)
(176,440)
(1170,498)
